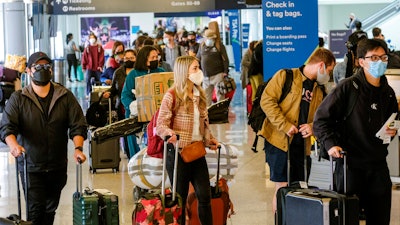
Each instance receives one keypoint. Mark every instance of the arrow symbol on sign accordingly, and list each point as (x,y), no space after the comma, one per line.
(58,1)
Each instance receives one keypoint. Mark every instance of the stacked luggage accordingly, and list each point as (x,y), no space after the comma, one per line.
(102,154)
(147,208)
(8,78)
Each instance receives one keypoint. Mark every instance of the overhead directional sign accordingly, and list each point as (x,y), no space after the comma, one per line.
(67,7)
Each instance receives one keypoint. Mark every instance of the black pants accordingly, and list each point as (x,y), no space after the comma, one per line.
(195,172)
(374,189)
(72,61)
(44,195)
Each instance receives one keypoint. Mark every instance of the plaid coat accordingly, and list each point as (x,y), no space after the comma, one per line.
(182,123)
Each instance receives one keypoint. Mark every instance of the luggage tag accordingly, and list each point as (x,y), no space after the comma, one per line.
(303,184)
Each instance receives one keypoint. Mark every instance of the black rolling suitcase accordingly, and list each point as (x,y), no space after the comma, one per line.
(14,218)
(280,214)
(93,207)
(106,154)
(322,207)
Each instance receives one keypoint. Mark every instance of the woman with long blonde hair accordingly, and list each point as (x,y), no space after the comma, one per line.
(185,106)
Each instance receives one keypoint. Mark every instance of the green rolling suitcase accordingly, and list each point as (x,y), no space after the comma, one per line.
(94,207)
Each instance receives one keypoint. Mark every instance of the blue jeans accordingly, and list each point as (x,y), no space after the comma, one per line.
(89,81)
(195,172)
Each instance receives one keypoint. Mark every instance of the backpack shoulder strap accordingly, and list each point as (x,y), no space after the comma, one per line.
(288,84)
(179,51)
(353,96)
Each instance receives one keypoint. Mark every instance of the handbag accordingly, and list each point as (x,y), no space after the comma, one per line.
(193,151)
(227,85)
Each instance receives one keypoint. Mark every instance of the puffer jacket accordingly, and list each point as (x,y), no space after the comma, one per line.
(44,137)
(280,117)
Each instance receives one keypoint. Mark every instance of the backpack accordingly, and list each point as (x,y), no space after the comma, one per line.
(257,115)
(155,145)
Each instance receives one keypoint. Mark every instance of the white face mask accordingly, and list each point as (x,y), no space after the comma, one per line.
(322,78)
(210,42)
(197,78)
(166,40)
(92,41)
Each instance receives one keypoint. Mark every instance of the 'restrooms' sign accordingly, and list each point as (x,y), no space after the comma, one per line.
(68,7)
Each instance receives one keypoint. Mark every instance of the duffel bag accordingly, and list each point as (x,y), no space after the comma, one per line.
(146,171)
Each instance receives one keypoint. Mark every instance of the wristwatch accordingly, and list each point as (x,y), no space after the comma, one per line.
(80,148)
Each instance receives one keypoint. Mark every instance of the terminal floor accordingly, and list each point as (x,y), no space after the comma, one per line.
(250,191)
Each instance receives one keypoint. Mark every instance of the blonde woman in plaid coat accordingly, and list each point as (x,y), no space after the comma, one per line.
(185,106)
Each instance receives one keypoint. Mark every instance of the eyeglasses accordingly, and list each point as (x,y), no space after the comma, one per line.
(41,66)
(375,58)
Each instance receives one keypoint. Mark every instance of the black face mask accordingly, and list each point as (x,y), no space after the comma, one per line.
(129,64)
(192,41)
(153,64)
(42,77)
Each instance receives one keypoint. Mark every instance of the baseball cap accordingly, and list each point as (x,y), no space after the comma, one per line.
(36,57)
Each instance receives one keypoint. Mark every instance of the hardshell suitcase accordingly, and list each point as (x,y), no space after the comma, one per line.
(15,219)
(92,207)
(220,201)
(280,214)
(157,207)
(104,155)
(327,207)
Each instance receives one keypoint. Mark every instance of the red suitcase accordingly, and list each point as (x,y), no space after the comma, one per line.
(220,202)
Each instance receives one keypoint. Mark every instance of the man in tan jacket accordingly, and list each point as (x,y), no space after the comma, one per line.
(288,123)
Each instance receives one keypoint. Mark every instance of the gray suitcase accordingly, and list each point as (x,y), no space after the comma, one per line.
(106,154)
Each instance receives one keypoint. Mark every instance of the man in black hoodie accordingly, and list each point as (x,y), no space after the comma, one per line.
(354,132)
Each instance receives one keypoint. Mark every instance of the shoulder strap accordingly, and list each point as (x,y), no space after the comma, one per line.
(288,84)
(353,96)
(179,50)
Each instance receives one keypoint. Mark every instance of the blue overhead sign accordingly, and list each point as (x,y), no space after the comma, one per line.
(68,7)
(290,33)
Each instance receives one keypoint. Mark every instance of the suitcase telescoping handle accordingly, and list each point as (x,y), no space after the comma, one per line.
(218,165)
(164,171)
(77,194)
(25,185)
(109,110)
(344,153)
(288,162)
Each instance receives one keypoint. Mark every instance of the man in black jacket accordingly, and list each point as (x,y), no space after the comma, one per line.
(38,121)
(338,128)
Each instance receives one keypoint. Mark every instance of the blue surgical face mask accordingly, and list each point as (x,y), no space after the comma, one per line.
(377,69)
